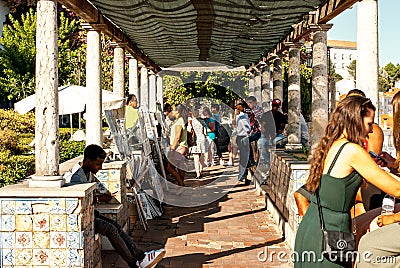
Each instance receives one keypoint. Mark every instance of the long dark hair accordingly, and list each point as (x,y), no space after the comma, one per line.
(183,112)
(396,124)
(348,116)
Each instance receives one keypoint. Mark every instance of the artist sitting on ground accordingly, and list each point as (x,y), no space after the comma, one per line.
(84,172)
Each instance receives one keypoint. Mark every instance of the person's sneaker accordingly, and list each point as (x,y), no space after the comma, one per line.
(221,162)
(228,164)
(151,258)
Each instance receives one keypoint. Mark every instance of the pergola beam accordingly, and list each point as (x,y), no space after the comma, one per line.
(93,16)
(325,13)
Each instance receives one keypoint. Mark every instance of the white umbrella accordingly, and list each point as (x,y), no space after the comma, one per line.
(72,99)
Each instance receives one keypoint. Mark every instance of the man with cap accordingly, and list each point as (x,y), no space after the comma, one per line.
(279,118)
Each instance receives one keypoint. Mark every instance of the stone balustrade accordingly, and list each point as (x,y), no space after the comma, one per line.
(286,175)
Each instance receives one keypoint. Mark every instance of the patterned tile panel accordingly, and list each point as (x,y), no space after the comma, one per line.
(23,206)
(23,239)
(7,207)
(47,232)
(7,239)
(41,240)
(58,240)
(24,256)
(7,223)
(41,222)
(23,223)
(58,222)
(41,257)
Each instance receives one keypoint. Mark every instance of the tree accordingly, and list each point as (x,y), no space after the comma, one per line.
(332,73)
(71,50)
(393,72)
(352,69)
(17,58)
(305,86)
(221,86)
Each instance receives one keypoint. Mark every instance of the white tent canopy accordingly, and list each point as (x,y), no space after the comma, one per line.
(72,99)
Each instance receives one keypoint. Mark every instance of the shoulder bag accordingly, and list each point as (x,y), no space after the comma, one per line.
(337,246)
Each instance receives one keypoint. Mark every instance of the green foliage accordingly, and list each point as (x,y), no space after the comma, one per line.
(107,63)
(15,167)
(24,139)
(8,140)
(216,85)
(65,134)
(17,59)
(16,4)
(71,50)
(70,149)
(332,73)
(352,69)
(19,123)
(305,86)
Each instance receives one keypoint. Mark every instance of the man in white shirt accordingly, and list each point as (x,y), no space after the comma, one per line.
(242,139)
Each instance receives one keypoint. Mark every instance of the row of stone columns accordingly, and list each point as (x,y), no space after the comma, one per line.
(259,86)
(47,125)
(259,83)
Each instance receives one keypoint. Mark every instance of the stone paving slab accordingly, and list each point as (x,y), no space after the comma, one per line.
(235,231)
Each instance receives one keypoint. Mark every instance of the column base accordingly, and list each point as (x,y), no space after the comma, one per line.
(46,182)
(294,147)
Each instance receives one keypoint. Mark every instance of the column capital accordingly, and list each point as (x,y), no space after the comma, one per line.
(297,44)
(130,57)
(320,27)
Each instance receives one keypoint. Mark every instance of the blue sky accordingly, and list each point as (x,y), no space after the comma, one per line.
(345,28)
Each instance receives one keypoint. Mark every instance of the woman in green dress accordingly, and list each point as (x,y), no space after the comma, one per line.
(338,165)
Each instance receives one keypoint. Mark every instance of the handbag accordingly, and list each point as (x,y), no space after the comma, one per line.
(191,137)
(337,246)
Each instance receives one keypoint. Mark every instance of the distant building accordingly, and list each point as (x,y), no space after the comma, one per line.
(342,53)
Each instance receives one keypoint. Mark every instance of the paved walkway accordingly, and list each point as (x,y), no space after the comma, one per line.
(230,232)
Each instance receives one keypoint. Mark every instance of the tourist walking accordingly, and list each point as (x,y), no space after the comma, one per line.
(198,151)
(178,144)
(242,139)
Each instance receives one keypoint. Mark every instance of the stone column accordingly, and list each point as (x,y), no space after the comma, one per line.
(119,71)
(367,49)
(133,77)
(294,98)
(94,132)
(277,79)
(160,91)
(152,92)
(332,90)
(265,87)
(119,76)
(46,126)
(257,86)
(320,93)
(144,87)
(251,84)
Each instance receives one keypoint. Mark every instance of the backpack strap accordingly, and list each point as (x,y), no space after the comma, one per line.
(336,157)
